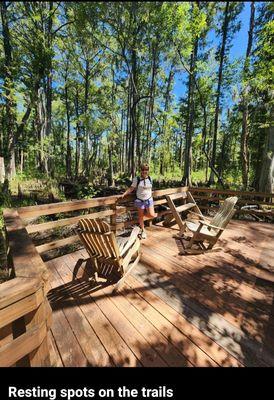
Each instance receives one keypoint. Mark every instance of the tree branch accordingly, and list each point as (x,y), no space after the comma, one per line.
(62,26)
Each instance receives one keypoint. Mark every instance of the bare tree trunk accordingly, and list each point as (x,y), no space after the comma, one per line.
(22,160)
(68,150)
(181,152)
(77,149)
(110,161)
(186,180)
(149,114)
(167,97)
(223,150)
(128,131)
(244,145)
(133,114)
(48,92)
(2,170)
(122,167)
(86,130)
(10,104)
(245,128)
(41,126)
(266,182)
(218,94)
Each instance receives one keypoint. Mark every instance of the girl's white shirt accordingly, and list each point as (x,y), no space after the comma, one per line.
(144,190)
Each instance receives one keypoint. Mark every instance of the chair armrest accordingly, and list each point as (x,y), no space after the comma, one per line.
(198,215)
(211,226)
(133,236)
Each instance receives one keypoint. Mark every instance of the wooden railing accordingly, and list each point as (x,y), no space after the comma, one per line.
(210,199)
(25,314)
(115,205)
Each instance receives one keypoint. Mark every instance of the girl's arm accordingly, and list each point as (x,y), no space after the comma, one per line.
(128,191)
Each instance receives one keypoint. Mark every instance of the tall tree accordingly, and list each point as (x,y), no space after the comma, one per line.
(9,85)
(244,102)
(262,83)
(228,28)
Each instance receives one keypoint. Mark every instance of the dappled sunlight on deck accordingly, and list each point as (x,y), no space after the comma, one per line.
(212,309)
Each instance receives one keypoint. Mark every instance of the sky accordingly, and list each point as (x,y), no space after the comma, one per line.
(238,48)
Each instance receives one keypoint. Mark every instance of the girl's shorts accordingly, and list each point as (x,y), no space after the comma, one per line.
(143,204)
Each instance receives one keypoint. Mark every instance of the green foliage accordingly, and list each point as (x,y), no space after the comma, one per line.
(84,191)
(89,91)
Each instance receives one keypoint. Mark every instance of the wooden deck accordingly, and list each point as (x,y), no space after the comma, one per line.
(204,310)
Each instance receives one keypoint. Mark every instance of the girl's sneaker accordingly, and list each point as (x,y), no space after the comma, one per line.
(143,234)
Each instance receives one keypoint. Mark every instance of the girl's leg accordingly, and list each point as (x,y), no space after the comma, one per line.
(150,213)
(141,217)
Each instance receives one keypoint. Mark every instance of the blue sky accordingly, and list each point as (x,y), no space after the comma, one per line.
(238,48)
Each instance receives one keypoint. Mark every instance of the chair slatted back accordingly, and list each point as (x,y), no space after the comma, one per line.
(225,213)
(99,240)
(176,196)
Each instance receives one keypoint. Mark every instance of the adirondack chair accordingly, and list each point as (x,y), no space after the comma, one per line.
(188,203)
(203,231)
(111,256)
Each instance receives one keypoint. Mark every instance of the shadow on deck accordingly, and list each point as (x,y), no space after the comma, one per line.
(203,310)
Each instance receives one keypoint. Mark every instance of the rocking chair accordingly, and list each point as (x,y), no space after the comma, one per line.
(199,232)
(111,256)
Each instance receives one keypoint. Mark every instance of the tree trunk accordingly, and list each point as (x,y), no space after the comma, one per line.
(245,130)
(77,145)
(134,81)
(110,161)
(68,150)
(154,69)
(167,97)
(266,182)
(10,104)
(186,180)
(2,170)
(181,152)
(128,129)
(223,154)
(49,167)
(218,94)
(86,130)
(122,166)
(41,126)
(133,113)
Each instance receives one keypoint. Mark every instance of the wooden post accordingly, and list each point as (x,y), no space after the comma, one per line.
(113,218)
(27,264)
(40,356)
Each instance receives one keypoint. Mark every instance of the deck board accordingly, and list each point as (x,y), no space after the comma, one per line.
(105,344)
(206,281)
(126,330)
(204,310)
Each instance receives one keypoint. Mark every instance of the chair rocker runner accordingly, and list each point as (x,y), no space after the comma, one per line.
(199,232)
(111,255)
